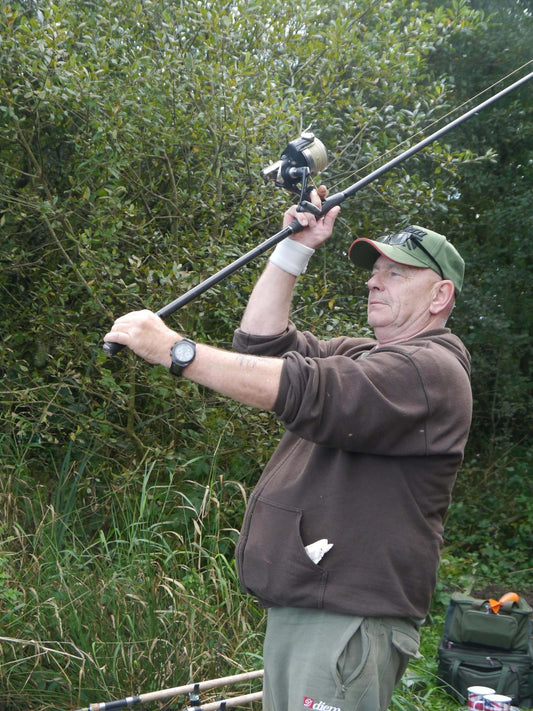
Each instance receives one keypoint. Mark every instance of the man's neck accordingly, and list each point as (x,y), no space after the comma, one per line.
(386,338)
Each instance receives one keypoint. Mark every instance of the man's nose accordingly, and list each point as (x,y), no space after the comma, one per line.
(373,282)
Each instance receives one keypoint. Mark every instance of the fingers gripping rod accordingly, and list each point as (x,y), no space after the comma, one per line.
(327,205)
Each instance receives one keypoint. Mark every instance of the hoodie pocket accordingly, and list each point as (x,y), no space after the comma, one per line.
(273,561)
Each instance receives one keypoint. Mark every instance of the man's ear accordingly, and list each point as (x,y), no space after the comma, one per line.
(443,297)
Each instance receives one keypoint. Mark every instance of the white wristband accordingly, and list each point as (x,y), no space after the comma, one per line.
(292,256)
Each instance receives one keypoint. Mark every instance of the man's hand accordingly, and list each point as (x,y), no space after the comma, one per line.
(146,335)
(318,229)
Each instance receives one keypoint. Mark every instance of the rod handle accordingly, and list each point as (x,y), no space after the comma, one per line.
(110,348)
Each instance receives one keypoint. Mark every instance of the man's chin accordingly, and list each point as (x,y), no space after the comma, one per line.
(377,317)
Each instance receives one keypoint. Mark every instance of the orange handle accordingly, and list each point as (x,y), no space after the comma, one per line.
(508,597)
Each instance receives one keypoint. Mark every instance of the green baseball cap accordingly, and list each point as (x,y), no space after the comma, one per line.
(415,246)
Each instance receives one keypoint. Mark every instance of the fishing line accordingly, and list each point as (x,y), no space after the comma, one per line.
(356,172)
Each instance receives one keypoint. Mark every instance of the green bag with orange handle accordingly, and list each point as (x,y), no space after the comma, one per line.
(488,643)
(504,623)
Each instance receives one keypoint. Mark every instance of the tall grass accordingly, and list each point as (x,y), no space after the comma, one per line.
(148,600)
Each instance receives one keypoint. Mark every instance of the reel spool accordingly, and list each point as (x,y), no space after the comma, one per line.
(304,156)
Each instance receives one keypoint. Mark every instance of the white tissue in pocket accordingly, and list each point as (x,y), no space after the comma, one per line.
(317,550)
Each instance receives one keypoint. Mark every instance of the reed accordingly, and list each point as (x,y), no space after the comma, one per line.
(149,600)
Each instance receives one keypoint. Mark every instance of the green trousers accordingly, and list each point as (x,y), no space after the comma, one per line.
(325,661)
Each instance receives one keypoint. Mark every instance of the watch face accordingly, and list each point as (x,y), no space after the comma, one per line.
(184,351)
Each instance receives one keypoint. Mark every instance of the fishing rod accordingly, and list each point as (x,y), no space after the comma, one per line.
(226,703)
(192,689)
(302,158)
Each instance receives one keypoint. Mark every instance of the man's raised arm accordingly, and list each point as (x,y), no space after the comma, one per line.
(268,309)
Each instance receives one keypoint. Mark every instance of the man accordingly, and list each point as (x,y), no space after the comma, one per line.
(342,533)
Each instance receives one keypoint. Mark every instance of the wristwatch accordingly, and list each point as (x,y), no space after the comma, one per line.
(182,353)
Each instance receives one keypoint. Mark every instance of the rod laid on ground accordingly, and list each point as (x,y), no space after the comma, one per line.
(336,199)
(226,703)
(175,691)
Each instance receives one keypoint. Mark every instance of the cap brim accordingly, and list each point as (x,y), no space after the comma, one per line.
(364,252)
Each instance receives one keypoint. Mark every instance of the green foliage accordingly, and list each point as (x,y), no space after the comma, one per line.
(133,139)
(151,603)
(493,224)
(492,516)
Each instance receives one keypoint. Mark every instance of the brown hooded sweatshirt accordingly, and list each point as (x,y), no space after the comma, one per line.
(375,436)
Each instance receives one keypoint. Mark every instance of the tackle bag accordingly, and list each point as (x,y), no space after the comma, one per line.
(481,647)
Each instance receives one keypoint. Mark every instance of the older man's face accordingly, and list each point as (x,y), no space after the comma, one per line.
(399,299)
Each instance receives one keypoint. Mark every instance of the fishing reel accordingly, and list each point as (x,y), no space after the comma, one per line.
(302,158)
